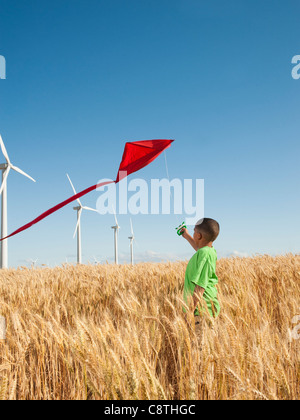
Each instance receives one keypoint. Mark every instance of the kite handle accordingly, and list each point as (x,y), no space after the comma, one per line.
(179,228)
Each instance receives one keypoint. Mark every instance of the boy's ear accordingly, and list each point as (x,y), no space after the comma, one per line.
(199,235)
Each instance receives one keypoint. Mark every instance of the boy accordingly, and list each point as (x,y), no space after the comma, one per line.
(200,277)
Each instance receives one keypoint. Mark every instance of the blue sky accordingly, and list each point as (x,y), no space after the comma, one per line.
(84,77)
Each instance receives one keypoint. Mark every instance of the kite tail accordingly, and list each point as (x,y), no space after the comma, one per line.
(57,207)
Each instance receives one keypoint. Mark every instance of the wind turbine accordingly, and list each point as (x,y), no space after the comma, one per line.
(33,262)
(96,262)
(132,238)
(116,236)
(5,168)
(78,225)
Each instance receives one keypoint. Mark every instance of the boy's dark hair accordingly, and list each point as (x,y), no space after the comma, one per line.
(209,228)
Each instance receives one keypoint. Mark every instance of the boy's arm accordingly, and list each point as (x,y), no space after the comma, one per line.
(198,292)
(188,237)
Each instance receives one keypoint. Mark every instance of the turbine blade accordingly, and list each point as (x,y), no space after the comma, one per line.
(4,179)
(15,168)
(132,234)
(136,243)
(78,223)
(90,209)
(117,224)
(73,188)
(4,151)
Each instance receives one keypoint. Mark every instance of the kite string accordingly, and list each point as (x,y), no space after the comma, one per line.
(171,195)
(167,169)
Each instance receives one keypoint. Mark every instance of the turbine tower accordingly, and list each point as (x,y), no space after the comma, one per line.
(78,225)
(5,168)
(132,238)
(116,236)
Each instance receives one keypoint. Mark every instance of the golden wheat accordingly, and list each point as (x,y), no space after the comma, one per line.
(107,332)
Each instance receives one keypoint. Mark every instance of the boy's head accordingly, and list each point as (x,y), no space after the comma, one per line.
(206,231)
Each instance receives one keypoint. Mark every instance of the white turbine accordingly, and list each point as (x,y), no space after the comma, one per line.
(96,262)
(32,262)
(78,225)
(132,238)
(5,168)
(116,236)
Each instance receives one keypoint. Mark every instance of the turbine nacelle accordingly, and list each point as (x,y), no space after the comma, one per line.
(132,238)
(6,167)
(79,208)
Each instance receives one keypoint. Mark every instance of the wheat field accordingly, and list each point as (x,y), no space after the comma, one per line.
(118,332)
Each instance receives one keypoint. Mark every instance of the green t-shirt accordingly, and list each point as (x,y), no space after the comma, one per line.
(201,271)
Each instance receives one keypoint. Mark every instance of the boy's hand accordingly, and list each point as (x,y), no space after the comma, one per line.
(184,233)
